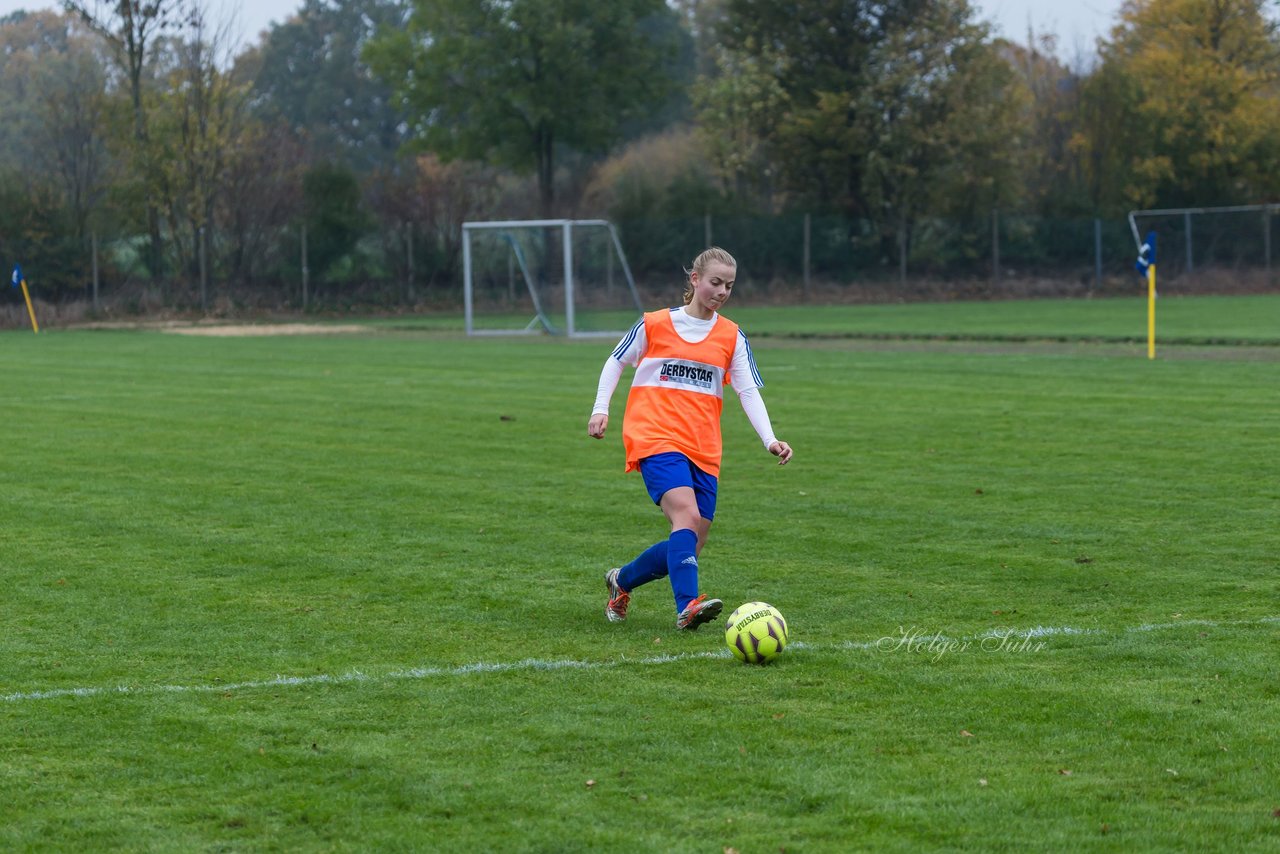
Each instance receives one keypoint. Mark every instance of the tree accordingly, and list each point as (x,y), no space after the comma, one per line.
(1052,172)
(334,217)
(130,27)
(199,121)
(1196,83)
(261,196)
(27,39)
(73,125)
(877,110)
(53,94)
(34,225)
(937,118)
(735,99)
(309,73)
(433,199)
(657,189)
(1105,138)
(702,19)
(53,147)
(508,82)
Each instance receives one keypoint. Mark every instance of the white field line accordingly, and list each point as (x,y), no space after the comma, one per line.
(355,676)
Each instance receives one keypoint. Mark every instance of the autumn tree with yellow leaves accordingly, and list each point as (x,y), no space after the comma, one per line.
(1185,106)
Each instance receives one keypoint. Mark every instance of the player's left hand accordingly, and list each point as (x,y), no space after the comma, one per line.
(782,451)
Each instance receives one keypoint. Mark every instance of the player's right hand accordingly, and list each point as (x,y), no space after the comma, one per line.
(597,425)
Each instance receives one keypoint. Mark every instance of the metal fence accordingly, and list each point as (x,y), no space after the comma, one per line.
(788,256)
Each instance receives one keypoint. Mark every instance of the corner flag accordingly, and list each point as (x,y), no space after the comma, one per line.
(18,280)
(1146,265)
(1146,254)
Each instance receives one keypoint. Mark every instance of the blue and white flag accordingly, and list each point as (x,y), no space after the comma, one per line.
(1146,254)
(17,275)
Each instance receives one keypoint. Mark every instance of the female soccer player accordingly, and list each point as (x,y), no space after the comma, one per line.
(683,358)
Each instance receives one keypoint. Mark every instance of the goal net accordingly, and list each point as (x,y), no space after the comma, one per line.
(557,276)
(1233,246)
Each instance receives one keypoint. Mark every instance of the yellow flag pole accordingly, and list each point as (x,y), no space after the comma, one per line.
(1151,312)
(35,327)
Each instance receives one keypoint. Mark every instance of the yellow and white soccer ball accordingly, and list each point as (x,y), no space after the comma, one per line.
(757,633)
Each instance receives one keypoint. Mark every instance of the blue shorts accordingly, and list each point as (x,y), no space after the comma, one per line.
(663,472)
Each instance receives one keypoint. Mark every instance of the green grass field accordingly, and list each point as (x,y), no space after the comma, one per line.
(1241,320)
(344,593)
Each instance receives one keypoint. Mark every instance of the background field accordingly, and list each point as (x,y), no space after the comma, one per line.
(1180,319)
(343,593)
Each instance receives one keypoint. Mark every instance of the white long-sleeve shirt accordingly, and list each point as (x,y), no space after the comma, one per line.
(743,375)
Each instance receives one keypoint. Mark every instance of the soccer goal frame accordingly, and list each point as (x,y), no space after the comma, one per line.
(542,320)
(1187,217)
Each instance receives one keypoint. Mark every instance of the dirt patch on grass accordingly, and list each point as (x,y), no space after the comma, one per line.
(245,330)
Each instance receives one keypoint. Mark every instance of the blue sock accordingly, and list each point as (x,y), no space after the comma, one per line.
(682,566)
(650,565)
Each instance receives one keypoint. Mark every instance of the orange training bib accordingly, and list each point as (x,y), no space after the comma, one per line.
(678,393)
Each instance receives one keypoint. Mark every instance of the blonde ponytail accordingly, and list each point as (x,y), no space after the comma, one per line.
(708,256)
